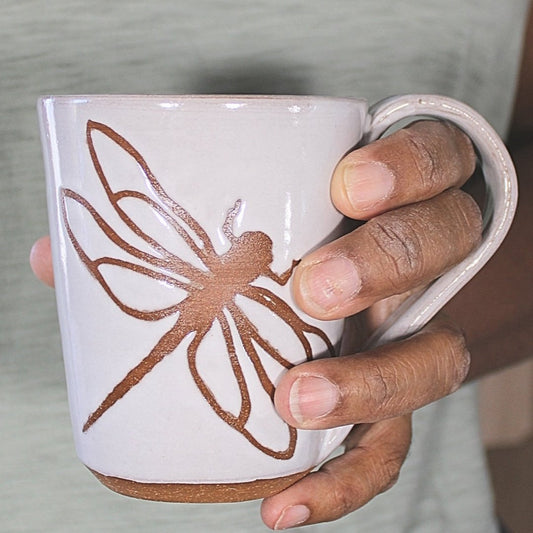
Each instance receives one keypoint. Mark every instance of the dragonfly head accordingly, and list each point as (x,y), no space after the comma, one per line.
(256,247)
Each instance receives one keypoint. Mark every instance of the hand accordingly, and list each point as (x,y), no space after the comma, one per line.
(419,225)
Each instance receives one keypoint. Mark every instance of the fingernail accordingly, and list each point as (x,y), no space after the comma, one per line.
(330,283)
(292,516)
(367,184)
(312,397)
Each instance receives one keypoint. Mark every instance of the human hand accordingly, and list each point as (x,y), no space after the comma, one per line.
(419,225)
(365,273)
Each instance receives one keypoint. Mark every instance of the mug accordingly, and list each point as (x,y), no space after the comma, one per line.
(176,223)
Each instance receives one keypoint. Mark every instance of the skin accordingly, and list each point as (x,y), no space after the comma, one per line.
(416,213)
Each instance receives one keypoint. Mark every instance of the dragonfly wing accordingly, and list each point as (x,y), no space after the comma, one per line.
(140,200)
(135,280)
(274,338)
(308,341)
(216,371)
(237,392)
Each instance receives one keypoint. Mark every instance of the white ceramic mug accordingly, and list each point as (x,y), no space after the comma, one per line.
(176,222)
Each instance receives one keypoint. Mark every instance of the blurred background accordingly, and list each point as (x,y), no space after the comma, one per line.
(506,405)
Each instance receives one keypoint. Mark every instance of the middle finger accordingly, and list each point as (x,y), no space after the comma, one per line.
(394,252)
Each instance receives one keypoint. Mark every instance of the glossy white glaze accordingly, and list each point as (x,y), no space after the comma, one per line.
(275,155)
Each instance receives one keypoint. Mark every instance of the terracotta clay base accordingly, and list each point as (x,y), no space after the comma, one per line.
(199,493)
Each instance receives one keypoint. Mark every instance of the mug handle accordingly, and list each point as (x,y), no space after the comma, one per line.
(502,196)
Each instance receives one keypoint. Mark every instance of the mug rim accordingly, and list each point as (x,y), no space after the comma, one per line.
(175,99)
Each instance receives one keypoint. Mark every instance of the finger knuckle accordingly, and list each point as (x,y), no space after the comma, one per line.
(400,246)
(462,145)
(344,495)
(440,153)
(456,353)
(423,154)
(390,469)
(468,213)
(380,388)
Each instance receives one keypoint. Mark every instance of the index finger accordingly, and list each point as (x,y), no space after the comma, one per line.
(410,165)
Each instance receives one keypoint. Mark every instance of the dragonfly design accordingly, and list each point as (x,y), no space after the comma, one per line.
(210,291)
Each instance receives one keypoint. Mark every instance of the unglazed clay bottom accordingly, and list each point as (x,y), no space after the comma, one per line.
(199,492)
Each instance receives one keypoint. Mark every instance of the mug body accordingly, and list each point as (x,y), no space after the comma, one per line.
(175,224)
